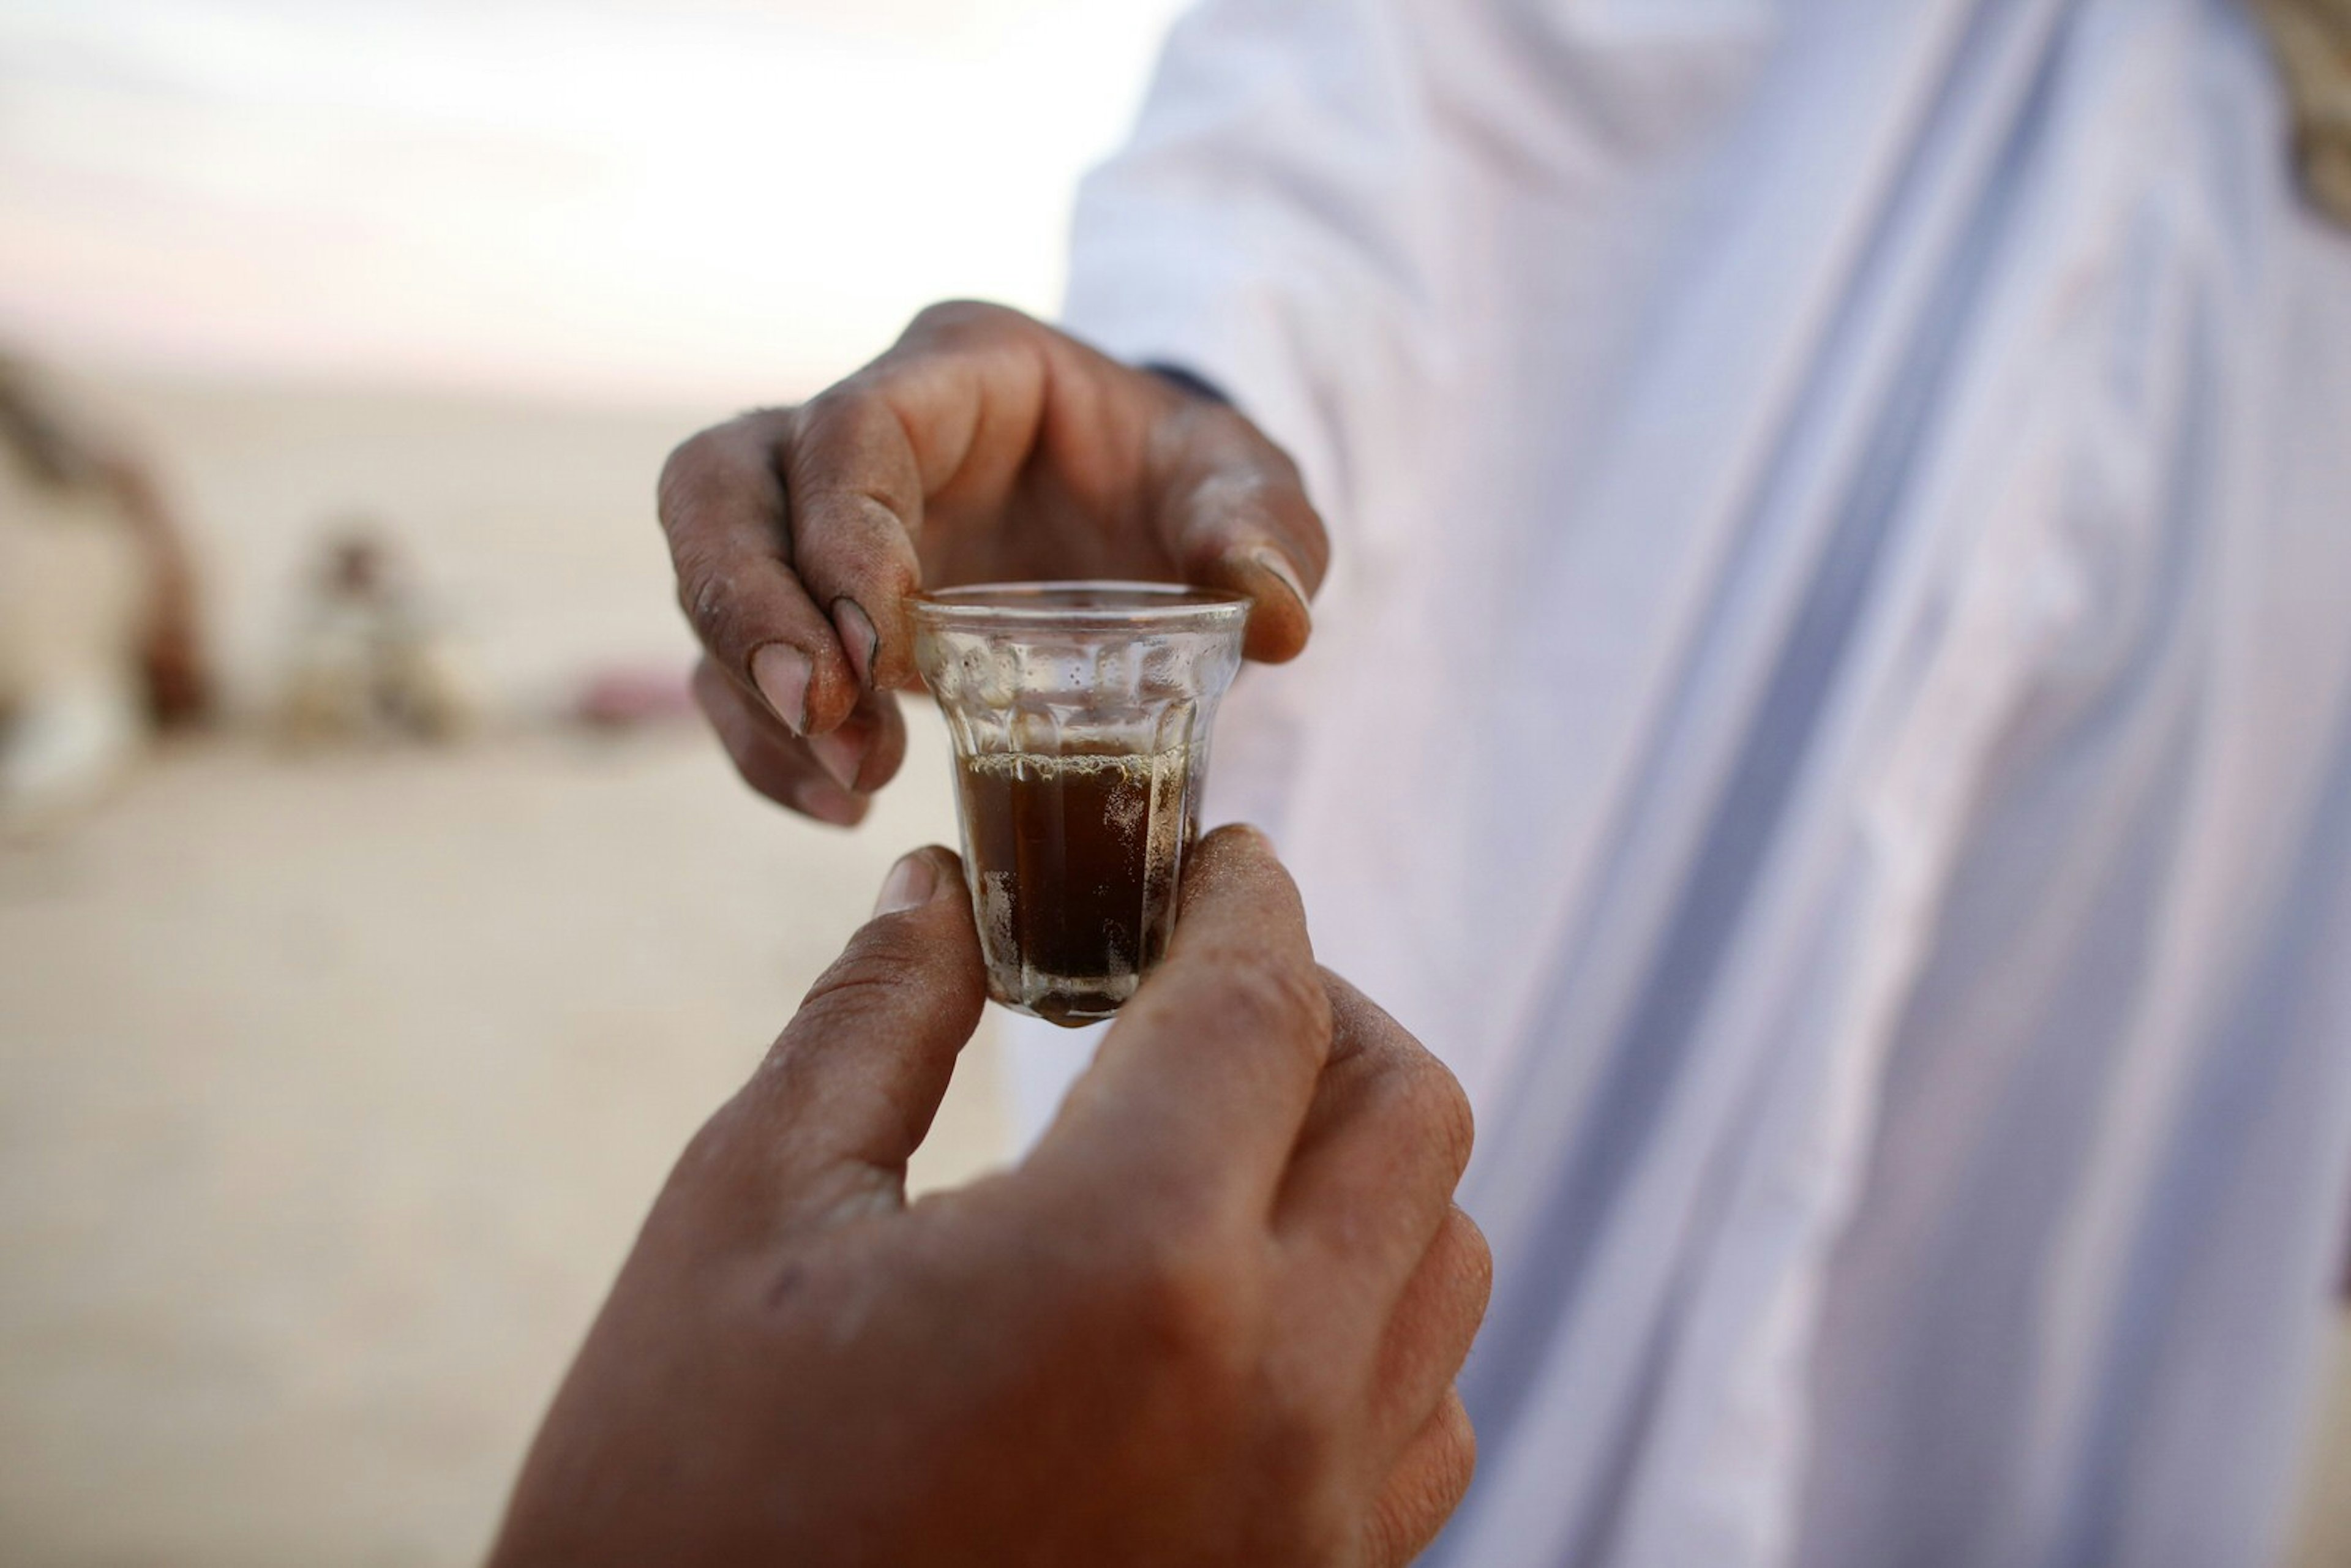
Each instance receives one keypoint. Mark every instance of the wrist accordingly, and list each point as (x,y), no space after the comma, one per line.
(1187,381)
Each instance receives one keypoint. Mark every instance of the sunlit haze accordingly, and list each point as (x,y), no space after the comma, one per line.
(614,199)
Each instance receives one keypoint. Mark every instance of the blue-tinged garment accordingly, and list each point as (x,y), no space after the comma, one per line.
(1832,714)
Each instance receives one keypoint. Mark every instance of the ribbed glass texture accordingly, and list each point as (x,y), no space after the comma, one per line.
(1081,716)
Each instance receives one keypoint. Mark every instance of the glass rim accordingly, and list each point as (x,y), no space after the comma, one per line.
(1084,604)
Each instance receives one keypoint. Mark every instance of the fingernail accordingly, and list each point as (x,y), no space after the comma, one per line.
(828,802)
(1274,561)
(858,638)
(841,754)
(781,672)
(911,881)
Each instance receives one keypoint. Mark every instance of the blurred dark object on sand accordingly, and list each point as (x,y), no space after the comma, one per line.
(56,455)
(100,635)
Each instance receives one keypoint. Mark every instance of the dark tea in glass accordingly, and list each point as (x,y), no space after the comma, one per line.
(1073,862)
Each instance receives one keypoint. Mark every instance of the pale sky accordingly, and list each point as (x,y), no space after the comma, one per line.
(616,199)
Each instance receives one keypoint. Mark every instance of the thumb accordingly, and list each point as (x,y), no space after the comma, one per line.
(848,1091)
(1233,514)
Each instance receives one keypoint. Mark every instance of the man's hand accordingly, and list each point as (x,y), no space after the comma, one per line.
(984,447)
(1215,1317)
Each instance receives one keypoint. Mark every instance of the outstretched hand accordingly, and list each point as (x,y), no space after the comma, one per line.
(1215,1316)
(984,447)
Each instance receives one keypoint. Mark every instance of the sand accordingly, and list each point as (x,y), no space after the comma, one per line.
(334,1088)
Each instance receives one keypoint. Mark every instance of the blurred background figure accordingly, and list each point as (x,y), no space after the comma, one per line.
(98,624)
(370,657)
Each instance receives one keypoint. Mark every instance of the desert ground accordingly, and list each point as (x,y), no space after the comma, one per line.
(335,1083)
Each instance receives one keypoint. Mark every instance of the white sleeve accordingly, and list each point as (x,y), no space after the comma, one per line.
(1274,227)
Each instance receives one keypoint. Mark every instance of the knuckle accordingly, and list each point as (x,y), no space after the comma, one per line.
(707,596)
(681,473)
(1190,1307)
(695,471)
(1300,523)
(848,399)
(701,579)
(1450,1123)
(856,539)
(1418,1502)
(874,972)
(1240,499)
(1290,480)
(951,321)
(1477,1260)
(1456,1454)
(1260,996)
(1283,481)
(1391,1535)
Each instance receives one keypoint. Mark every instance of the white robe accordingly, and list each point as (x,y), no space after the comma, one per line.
(1831,712)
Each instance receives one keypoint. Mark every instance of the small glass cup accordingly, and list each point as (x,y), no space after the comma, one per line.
(1081,714)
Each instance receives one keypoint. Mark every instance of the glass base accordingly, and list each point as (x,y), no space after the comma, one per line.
(1070,1001)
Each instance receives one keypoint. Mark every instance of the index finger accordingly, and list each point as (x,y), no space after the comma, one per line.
(1200,1088)
(723,506)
